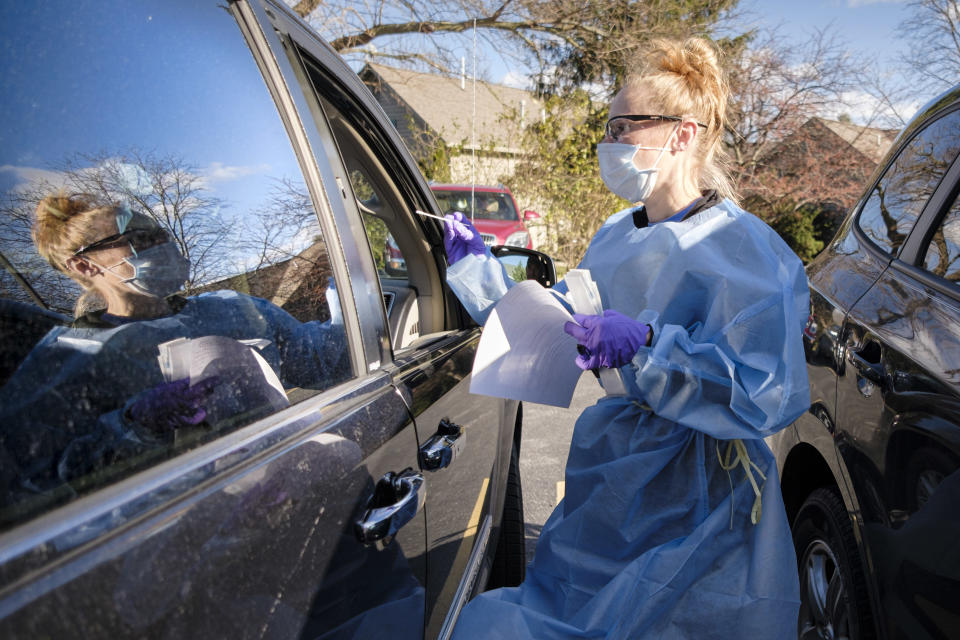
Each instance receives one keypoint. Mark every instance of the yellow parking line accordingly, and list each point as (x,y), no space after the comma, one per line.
(477,510)
(561,486)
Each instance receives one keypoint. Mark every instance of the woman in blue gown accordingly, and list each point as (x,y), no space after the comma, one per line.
(672,525)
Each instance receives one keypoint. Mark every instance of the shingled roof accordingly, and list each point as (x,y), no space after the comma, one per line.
(871,142)
(442,105)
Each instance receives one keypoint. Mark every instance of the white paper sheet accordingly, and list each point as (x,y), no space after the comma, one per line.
(524,353)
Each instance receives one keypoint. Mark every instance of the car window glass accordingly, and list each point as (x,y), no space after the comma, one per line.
(896,201)
(191,291)
(943,253)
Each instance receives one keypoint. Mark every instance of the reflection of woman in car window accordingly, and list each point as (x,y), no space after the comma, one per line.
(96,391)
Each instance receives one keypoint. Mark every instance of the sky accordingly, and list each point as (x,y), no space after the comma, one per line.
(148,83)
(868,27)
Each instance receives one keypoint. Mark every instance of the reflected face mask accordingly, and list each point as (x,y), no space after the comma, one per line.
(158,271)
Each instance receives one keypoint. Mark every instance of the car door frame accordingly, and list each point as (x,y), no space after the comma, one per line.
(460,332)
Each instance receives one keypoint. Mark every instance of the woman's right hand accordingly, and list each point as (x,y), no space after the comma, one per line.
(609,340)
(460,237)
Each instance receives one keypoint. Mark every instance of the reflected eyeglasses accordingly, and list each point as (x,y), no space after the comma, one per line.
(621,125)
(139,239)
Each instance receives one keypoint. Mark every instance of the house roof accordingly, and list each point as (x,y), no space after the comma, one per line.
(871,142)
(447,108)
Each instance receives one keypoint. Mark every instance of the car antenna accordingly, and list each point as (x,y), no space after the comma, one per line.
(473,128)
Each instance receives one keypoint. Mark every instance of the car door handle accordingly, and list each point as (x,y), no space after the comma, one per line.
(443,447)
(872,371)
(868,361)
(397,498)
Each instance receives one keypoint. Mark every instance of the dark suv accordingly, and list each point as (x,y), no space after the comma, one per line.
(870,474)
(368,496)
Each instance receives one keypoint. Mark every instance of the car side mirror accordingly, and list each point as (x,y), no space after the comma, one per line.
(526,264)
(529,214)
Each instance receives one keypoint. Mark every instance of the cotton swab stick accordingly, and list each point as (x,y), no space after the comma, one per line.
(430,215)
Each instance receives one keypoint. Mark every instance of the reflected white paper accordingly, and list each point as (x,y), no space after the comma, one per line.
(524,353)
(200,358)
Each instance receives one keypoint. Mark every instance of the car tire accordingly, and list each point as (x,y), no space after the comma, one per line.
(834,602)
(510,562)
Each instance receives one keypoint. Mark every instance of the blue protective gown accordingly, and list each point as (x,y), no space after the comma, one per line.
(60,413)
(654,537)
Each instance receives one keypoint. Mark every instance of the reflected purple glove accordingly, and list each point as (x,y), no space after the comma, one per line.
(610,340)
(460,237)
(171,405)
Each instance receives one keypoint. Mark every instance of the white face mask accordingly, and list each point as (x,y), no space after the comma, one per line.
(621,175)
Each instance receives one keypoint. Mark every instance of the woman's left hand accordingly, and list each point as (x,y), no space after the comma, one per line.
(610,340)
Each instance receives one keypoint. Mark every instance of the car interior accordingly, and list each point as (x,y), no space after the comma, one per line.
(413,298)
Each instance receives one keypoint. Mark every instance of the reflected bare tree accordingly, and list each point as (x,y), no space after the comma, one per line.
(283,256)
(943,254)
(168,189)
(278,230)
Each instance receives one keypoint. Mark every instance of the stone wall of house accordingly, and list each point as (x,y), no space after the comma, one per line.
(491,169)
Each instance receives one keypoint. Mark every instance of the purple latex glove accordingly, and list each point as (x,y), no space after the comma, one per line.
(610,340)
(171,405)
(460,237)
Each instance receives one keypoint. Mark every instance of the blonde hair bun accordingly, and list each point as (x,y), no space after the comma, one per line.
(62,225)
(695,60)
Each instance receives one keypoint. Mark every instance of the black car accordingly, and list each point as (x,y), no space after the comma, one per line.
(870,474)
(371,495)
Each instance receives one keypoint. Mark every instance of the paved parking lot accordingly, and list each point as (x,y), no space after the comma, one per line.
(543,455)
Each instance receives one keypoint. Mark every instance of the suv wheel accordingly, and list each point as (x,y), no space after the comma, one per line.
(833,593)
(510,563)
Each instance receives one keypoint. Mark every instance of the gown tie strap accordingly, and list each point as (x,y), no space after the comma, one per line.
(738,452)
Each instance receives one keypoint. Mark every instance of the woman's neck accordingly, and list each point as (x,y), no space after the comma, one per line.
(663,204)
(131,305)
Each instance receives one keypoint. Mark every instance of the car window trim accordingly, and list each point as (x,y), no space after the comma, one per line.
(927,279)
(902,141)
(365,334)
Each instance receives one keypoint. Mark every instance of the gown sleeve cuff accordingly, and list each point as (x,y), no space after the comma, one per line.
(478,282)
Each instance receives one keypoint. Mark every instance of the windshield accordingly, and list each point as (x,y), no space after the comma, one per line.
(487,205)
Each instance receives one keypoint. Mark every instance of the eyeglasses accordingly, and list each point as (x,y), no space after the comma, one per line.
(138,239)
(622,125)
